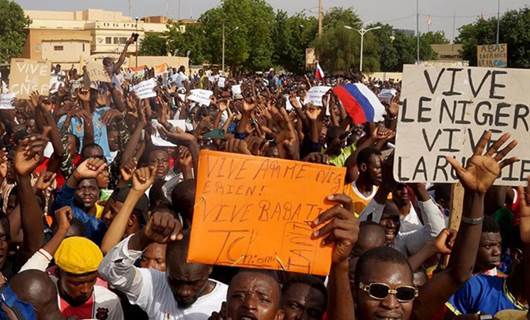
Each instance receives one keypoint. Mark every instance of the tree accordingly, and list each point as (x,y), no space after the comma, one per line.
(514,26)
(437,37)
(13,25)
(292,35)
(338,47)
(153,44)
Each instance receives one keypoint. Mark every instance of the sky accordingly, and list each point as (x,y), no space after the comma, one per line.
(400,13)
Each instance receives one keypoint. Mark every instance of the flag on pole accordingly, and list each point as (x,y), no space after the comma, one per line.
(319,73)
(361,104)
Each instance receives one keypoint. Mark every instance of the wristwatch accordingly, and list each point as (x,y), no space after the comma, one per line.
(486,317)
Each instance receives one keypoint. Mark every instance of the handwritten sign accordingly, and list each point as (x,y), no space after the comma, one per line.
(29,75)
(221,82)
(446,110)
(200,96)
(255,212)
(145,89)
(236,90)
(6,100)
(157,140)
(492,55)
(315,94)
(96,72)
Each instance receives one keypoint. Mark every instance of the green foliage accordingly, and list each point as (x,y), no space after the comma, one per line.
(514,26)
(153,44)
(437,37)
(13,23)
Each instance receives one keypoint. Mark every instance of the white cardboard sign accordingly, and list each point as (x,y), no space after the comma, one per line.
(200,96)
(315,94)
(445,111)
(145,89)
(6,100)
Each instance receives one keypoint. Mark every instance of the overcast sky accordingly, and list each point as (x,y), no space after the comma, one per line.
(399,13)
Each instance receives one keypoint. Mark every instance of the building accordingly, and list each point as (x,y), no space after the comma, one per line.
(448,52)
(72,37)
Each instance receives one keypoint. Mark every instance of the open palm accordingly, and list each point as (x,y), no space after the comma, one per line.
(482,170)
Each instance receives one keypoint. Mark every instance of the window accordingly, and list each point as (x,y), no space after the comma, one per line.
(123,40)
(83,47)
(58,48)
(108,40)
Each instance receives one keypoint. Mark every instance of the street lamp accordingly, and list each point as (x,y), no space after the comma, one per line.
(224,40)
(362,32)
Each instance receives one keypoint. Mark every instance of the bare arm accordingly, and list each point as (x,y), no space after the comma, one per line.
(123,54)
(478,176)
(142,179)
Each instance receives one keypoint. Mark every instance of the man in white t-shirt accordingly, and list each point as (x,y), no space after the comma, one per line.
(184,291)
(180,78)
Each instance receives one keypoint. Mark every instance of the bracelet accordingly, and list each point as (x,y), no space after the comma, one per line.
(473,221)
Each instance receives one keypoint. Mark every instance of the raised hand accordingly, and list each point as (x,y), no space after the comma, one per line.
(482,170)
(128,168)
(237,146)
(89,168)
(64,217)
(524,227)
(338,226)
(223,104)
(317,157)
(163,227)
(184,159)
(444,241)
(29,153)
(109,116)
(313,113)
(84,95)
(45,180)
(248,106)
(143,178)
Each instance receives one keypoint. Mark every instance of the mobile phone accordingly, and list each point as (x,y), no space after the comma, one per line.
(135,36)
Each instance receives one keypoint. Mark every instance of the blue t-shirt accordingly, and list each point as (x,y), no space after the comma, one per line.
(100,130)
(484,294)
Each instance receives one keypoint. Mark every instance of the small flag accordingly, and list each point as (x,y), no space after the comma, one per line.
(429,20)
(361,104)
(319,73)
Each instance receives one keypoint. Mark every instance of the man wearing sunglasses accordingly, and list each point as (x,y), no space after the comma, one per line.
(384,279)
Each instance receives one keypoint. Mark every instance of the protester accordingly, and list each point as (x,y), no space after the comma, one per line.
(100,227)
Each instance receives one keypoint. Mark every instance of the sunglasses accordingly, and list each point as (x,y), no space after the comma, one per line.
(380,291)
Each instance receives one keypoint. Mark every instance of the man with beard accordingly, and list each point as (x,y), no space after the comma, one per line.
(183,291)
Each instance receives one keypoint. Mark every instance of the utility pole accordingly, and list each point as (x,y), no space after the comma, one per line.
(498,19)
(454,26)
(417,31)
(320,16)
(130,9)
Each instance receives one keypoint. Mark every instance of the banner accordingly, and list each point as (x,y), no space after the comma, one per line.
(492,55)
(97,72)
(160,69)
(315,94)
(29,75)
(445,111)
(200,96)
(145,89)
(6,100)
(256,212)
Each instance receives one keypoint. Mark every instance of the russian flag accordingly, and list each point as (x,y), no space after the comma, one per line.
(319,73)
(361,104)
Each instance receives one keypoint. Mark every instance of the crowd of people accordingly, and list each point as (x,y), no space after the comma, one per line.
(96,216)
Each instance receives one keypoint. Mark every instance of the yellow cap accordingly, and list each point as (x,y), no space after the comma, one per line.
(78,255)
(511,315)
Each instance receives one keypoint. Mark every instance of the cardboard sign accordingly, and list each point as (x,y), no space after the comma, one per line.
(200,96)
(221,82)
(96,72)
(145,89)
(236,91)
(6,100)
(315,94)
(255,212)
(492,55)
(445,111)
(158,141)
(386,95)
(29,75)
(160,69)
